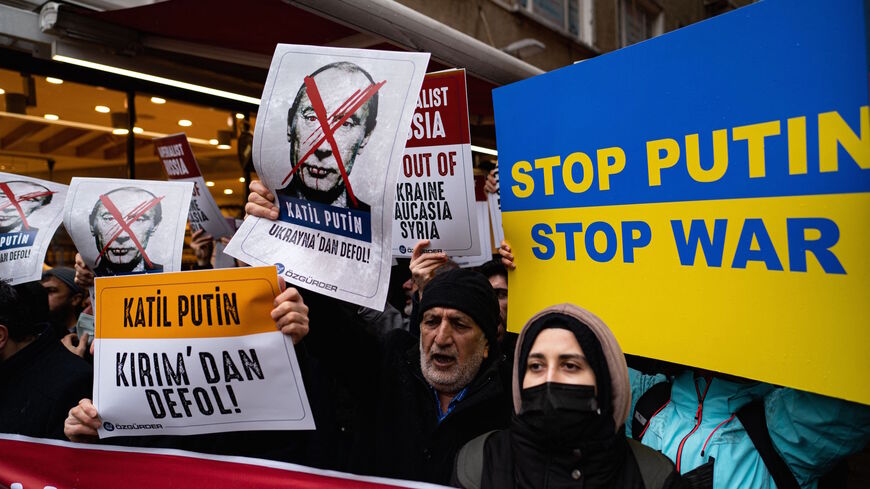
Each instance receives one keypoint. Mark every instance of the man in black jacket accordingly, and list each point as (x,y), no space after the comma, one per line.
(419,400)
(40,380)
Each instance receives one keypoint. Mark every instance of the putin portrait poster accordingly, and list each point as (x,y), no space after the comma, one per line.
(30,212)
(329,142)
(123,227)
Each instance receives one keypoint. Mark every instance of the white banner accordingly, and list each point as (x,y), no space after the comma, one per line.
(329,141)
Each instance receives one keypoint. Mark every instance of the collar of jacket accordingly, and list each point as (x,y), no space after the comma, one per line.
(724,397)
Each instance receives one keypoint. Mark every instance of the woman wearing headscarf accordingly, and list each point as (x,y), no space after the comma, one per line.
(571,397)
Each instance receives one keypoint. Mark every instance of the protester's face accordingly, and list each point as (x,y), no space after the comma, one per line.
(320,171)
(452,348)
(9,216)
(123,251)
(59,294)
(499,285)
(557,357)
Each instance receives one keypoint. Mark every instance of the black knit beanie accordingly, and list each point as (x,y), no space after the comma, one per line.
(467,291)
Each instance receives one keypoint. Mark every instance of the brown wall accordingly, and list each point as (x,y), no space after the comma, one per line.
(505,27)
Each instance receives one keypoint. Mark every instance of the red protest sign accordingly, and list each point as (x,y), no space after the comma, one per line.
(175,153)
(441,116)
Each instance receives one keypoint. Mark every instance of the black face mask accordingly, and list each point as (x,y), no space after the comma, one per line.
(561,416)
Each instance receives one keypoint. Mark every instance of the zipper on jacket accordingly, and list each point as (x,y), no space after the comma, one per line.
(698,414)
(713,432)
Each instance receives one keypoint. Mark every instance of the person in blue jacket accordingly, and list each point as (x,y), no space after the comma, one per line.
(698,428)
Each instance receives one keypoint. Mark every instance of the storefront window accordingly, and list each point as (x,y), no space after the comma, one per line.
(55,129)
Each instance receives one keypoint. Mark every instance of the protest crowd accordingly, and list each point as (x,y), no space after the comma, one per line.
(438,391)
(374,345)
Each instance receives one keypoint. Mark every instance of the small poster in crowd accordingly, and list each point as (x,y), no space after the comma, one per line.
(177,157)
(435,190)
(329,142)
(481,207)
(30,212)
(194,352)
(221,259)
(494,200)
(123,227)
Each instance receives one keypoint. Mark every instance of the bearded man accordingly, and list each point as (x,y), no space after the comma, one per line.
(420,399)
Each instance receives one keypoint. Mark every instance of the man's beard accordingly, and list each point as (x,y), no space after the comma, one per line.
(458,376)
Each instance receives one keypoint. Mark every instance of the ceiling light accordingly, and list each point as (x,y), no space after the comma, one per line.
(483,150)
(120,132)
(185,123)
(213,142)
(138,130)
(209,184)
(239,115)
(2,91)
(102,109)
(156,79)
(89,127)
(242,179)
(51,117)
(228,191)
(224,146)
(53,81)
(158,100)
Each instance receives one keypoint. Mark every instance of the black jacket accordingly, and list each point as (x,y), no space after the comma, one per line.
(395,428)
(38,386)
(509,463)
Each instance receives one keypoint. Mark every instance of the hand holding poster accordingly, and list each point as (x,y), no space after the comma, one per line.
(435,190)
(194,352)
(127,226)
(328,144)
(716,214)
(30,212)
(177,157)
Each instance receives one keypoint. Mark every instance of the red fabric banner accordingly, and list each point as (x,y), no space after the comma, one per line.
(36,463)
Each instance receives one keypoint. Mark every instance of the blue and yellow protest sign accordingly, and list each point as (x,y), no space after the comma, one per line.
(706,192)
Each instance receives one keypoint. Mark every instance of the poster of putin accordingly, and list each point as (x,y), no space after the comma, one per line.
(30,212)
(329,142)
(125,227)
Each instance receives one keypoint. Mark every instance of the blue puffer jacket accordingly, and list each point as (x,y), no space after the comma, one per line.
(810,432)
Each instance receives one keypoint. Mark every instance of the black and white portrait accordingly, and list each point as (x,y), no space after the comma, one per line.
(329,125)
(122,223)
